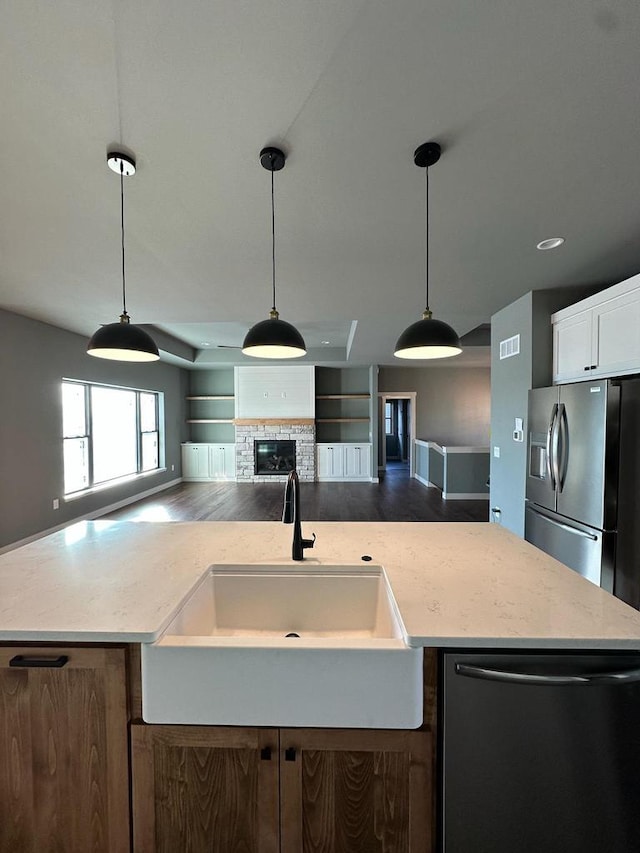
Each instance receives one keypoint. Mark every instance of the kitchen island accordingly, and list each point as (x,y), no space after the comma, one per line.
(75,607)
(455,584)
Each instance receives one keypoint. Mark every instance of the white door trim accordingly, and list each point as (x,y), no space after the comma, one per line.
(383,396)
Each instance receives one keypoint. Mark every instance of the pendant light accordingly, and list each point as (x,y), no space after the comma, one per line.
(122,341)
(273,338)
(427,338)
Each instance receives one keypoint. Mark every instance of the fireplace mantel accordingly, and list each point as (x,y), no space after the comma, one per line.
(273,421)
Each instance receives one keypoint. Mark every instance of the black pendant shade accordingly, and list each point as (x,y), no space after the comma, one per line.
(427,338)
(273,338)
(122,341)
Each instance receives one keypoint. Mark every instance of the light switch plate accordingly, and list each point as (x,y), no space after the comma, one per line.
(496,452)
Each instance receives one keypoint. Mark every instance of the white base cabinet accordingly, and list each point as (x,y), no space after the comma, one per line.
(339,461)
(598,337)
(208,461)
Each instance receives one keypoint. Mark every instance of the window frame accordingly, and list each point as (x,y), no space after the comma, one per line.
(92,485)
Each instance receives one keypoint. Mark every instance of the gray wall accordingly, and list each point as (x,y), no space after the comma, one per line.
(34,358)
(510,383)
(452,403)
(511,379)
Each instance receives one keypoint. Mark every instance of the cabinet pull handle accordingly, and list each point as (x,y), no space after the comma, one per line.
(50,662)
(593,367)
(290,754)
(587,367)
(265,753)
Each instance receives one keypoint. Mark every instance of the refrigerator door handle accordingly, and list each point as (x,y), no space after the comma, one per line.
(566,527)
(551,468)
(615,677)
(563,431)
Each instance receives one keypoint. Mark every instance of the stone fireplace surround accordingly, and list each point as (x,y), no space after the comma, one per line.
(302,431)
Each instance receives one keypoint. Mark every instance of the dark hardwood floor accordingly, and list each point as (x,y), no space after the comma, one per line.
(396,498)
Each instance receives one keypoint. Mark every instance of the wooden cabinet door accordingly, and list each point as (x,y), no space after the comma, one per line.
(204,789)
(64,782)
(356,791)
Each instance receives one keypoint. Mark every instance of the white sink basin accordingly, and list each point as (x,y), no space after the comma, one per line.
(226,659)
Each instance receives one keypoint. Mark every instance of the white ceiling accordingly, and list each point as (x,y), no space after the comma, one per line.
(535,104)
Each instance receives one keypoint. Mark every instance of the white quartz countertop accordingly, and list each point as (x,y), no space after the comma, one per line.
(464,585)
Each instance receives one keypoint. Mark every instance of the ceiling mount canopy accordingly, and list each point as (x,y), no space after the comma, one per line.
(427,338)
(122,341)
(273,338)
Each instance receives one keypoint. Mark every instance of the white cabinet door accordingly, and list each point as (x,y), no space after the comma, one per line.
(195,461)
(616,336)
(344,461)
(330,461)
(572,348)
(600,339)
(357,461)
(222,461)
(230,462)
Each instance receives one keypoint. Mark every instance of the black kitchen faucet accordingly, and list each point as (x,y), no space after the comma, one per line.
(291,515)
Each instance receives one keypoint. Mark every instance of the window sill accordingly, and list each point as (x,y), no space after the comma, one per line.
(120,481)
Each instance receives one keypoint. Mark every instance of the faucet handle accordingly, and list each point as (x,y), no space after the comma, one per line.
(309,543)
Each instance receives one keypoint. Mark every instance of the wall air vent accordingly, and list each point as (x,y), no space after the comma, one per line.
(509,347)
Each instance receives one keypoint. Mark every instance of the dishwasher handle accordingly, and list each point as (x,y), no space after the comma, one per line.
(625,676)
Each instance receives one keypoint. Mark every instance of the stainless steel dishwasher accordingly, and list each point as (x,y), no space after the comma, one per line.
(541,753)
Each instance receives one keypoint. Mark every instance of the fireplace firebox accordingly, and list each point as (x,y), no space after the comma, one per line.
(274,457)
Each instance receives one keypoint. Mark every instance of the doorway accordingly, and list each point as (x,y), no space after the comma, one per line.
(397,433)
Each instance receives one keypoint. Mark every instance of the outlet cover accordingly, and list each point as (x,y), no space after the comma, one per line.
(496,452)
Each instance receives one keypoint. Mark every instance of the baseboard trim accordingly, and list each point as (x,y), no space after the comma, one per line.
(89,516)
(465,496)
(424,482)
(346,480)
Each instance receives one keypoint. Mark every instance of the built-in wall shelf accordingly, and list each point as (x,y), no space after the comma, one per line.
(210,406)
(342,420)
(343,404)
(343,396)
(211,397)
(209,420)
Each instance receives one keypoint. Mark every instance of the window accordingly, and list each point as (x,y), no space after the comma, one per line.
(388,419)
(108,434)
(391,418)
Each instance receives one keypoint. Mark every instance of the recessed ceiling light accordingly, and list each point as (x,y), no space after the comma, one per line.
(325,342)
(550,243)
(205,344)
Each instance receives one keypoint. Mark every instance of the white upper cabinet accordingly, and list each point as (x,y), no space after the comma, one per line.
(275,392)
(572,348)
(599,336)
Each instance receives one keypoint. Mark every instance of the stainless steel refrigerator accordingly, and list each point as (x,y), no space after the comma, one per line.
(583,480)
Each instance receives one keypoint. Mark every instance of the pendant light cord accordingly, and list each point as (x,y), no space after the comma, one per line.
(426,254)
(273,241)
(124,295)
